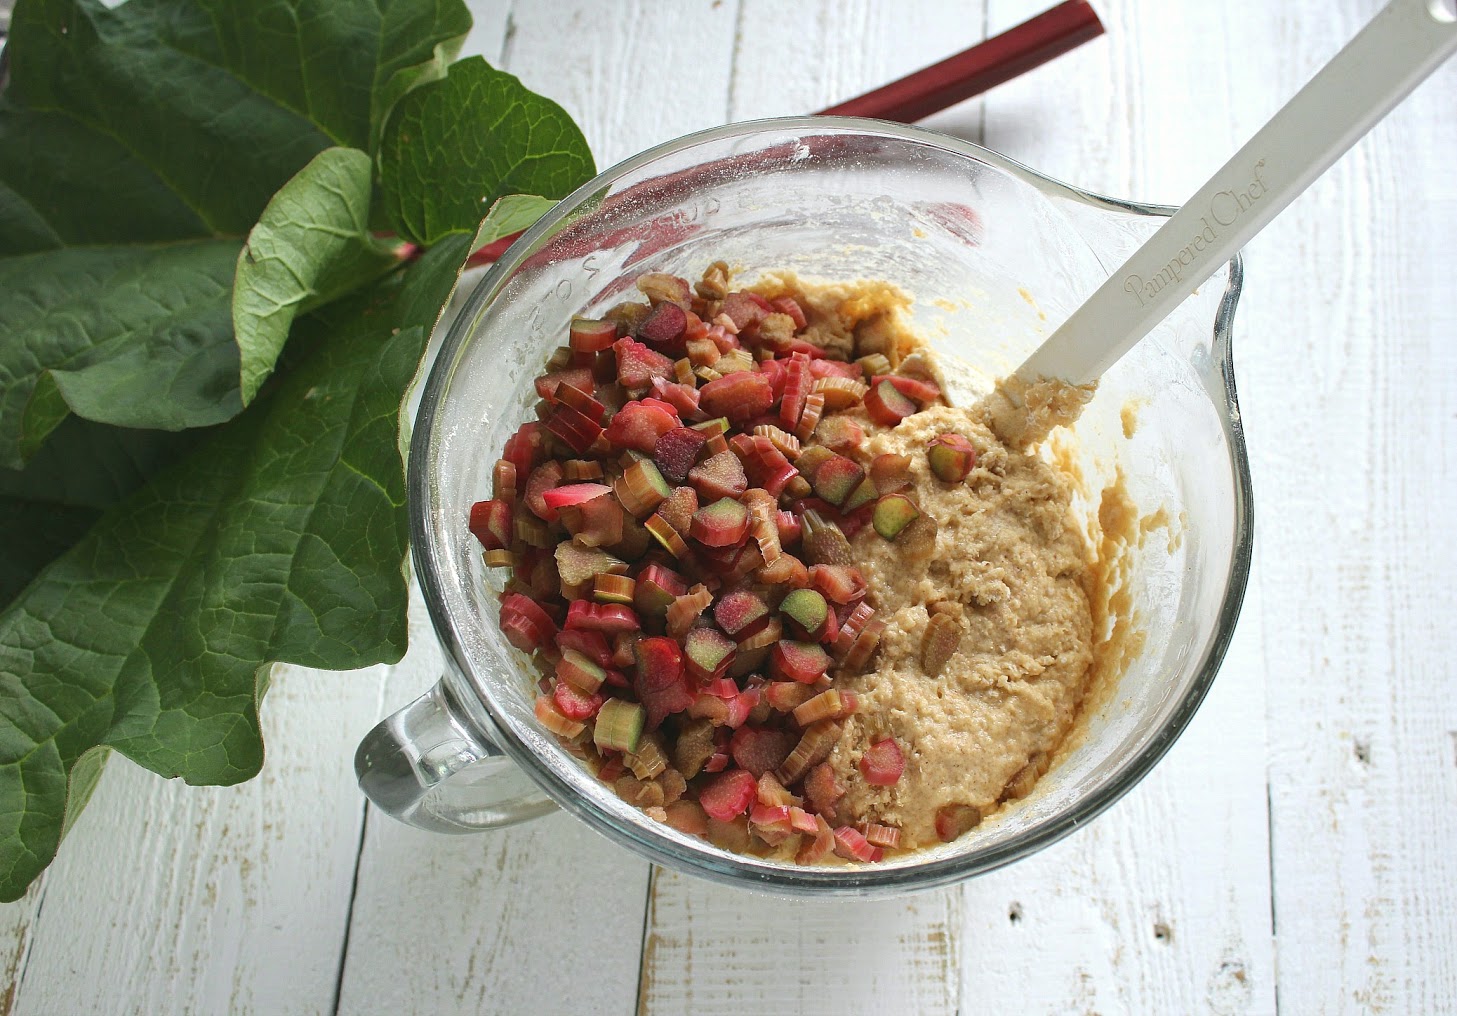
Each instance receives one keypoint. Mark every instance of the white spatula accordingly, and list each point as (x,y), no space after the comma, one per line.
(1403,44)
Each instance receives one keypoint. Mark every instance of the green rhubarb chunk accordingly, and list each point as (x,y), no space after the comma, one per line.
(861,495)
(892,514)
(806,608)
(619,725)
(836,477)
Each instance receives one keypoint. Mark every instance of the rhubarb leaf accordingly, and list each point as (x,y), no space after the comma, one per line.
(280,537)
(311,245)
(452,148)
(134,336)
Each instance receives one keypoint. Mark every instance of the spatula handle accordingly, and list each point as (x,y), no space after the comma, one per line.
(1401,46)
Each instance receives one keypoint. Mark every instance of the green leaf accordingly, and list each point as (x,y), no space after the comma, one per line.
(176,119)
(281,537)
(311,245)
(36,533)
(453,147)
(133,336)
(512,214)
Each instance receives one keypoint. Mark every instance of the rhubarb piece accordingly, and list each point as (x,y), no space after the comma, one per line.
(813,748)
(648,760)
(818,848)
(814,409)
(796,390)
(574,703)
(724,523)
(864,646)
(660,288)
(767,467)
(543,478)
(789,305)
(664,326)
(550,717)
(886,405)
(686,609)
(836,478)
(637,365)
(613,589)
(500,559)
(887,836)
(840,433)
(786,443)
(608,618)
(657,588)
(882,763)
(718,426)
(839,392)
(786,696)
(579,378)
(890,472)
(588,336)
(523,622)
(952,820)
(667,536)
(824,543)
(741,613)
(810,459)
(661,683)
(852,845)
(709,653)
(860,496)
(533,532)
(776,332)
(951,456)
(789,526)
(596,522)
(524,448)
(693,748)
(873,364)
(939,644)
(917,389)
(687,817)
(739,396)
(770,823)
(579,470)
(619,725)
(579,566)
(490,523)
(728,795)
(719,476)
(503,480)
(825,705)
(807,609)
(573,494)
(676,451)
(805,662)
(772,793)
(641,488)
(892,514)
(683,397)
(822,790)
(761,750)
(574,428)
(591,644)
(637,793)
(581,672)
(638,425)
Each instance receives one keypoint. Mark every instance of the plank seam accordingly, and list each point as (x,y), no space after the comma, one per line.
(349,911)
(1270,854)
(642,953)
(23,965)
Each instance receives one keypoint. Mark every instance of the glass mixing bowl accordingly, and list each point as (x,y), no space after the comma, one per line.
(996,255)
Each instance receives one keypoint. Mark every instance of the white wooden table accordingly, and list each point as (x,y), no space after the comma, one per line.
(1297,850)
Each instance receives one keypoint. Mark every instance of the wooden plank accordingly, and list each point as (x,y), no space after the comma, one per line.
(1353,417)
(169,898)
(15,922)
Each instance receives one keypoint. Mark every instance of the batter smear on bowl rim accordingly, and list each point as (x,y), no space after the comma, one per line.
(780,593)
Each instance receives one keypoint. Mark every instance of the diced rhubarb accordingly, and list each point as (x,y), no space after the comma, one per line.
(836,478)
(523,617)
(761,749)
(825,705)
(624,654)
(789,527)
(886,405)
(719,476)
(709,652)
(807,610)
(638,425)
(682,397)
(575,429)
(613,589)
(543,478)
(661,682)
(818,848)
(664,326)
(839,392)
(890,472)
(741,613)
(686,609)
(725,523)
(740,396)
(838,583)
(823,541)
(490,523)
(939,643)
(503,479)
(590,644)
(813,748)
(786,696)
(637,365)
(619,725)
(573,494)
(920,390)
(840,434)
(773,793)
(952,820)
(805,662)
(657,587)
(579,378)
(789,305)
(574,703)
(608,618)
(882,763)
(745,310)
(666,536)
(660,287)
(687,817)
(887,836)
(893,513)
(581,470)
(809,420)
(580,671)
(852,845)
(550,717)
(676,451)
(729,795)
(641,488)
(523,448)
(596,522)
(951,457)
(771,823)
(802,821)
(822,790)
(588,336)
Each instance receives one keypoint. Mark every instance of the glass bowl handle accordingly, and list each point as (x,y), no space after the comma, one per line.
(432,767)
